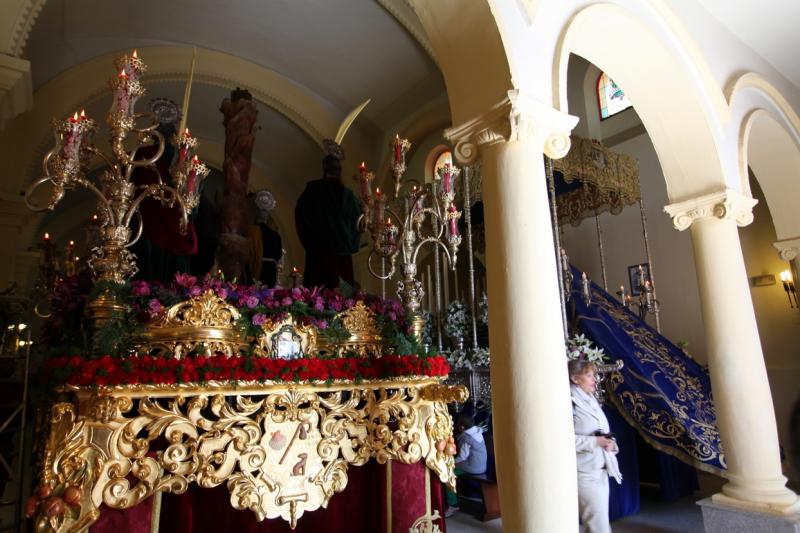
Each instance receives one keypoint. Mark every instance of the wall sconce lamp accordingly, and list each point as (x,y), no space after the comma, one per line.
(788,286)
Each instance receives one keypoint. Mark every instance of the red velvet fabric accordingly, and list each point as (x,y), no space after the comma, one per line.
(135,520)
(360,508)
(161,223)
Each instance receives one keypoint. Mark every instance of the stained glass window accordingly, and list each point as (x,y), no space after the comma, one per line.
(610,97)
(443,159)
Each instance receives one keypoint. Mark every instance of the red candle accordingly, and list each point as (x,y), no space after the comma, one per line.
(191,180)
(380,207)
(453,221)
(447,177)
(398,149)
(184,147)
(363,180)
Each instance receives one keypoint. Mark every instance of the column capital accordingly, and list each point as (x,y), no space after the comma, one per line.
(16,95)
(788,249)
(517,117)
(725,205)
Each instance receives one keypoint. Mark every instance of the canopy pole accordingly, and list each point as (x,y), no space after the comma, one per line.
(551,190)
(468,217)
(649,256)
(602,252)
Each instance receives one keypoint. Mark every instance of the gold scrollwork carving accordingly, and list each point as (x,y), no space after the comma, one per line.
(206,321)
(282,451)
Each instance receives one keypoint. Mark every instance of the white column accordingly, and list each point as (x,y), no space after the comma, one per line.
(742,397)
(534,436)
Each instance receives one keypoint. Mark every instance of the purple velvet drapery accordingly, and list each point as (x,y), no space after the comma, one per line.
(360,508)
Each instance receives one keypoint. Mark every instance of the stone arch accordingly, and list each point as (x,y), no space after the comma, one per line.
(767,131)
(69,91)
(638,52)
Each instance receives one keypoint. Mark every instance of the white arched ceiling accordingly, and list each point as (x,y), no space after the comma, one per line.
(338,51)
(653,74)
(767,134)
(470,53)
(774,157)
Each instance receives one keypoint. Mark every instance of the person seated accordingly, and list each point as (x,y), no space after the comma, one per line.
(471,457)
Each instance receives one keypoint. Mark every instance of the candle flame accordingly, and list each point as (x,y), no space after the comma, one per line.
(388,221)
(83,114)
(72,243)
(294,270)
(186,133)
(122,74)
(46,236)
(75,117)
(362,166)
(135,55)
(77,258)
(195,159)
(378,191)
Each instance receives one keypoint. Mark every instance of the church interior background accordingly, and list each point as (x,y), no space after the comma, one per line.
(702,97)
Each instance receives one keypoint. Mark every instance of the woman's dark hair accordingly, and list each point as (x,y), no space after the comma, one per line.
(576,367)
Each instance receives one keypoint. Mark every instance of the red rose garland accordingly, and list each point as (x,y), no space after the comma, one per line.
(151,370)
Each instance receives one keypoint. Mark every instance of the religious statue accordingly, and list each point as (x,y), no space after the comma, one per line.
(266,245)
(326,217)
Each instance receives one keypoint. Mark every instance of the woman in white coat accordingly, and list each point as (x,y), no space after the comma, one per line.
(595,447)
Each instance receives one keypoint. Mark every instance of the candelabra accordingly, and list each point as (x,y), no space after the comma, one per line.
(788,286)
(566,275)
(423,215)
(68,164)
(647,301)
(586,289)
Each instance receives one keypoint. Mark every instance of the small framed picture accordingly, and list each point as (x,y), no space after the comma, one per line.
(633,277)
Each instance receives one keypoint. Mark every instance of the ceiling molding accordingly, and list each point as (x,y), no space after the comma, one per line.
(405,15)
(21,14)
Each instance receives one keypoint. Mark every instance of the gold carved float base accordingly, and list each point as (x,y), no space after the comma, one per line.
(281,450)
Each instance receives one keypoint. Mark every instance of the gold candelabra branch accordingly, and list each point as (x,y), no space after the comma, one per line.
(429,216)
(68,164)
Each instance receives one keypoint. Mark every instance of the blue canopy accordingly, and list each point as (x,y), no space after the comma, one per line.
(660,391)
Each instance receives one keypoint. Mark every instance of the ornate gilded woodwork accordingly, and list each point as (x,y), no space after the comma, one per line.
(286,339)
(609,180)
(365,339)
(281,450)
(206,322)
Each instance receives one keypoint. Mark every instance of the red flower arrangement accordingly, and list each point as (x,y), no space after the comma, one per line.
(151,370)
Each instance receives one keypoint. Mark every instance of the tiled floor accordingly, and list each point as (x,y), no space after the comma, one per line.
(682,516)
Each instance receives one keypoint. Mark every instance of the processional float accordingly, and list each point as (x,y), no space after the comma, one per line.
(273,393)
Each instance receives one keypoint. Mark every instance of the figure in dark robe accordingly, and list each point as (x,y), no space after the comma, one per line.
(266,245)
(326,216)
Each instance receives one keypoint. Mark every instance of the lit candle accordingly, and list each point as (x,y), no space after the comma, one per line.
(184,146)
(46,237)
(380,207)
(121,94)
(191,179)
(398,149)
(391,231)
(364,181)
